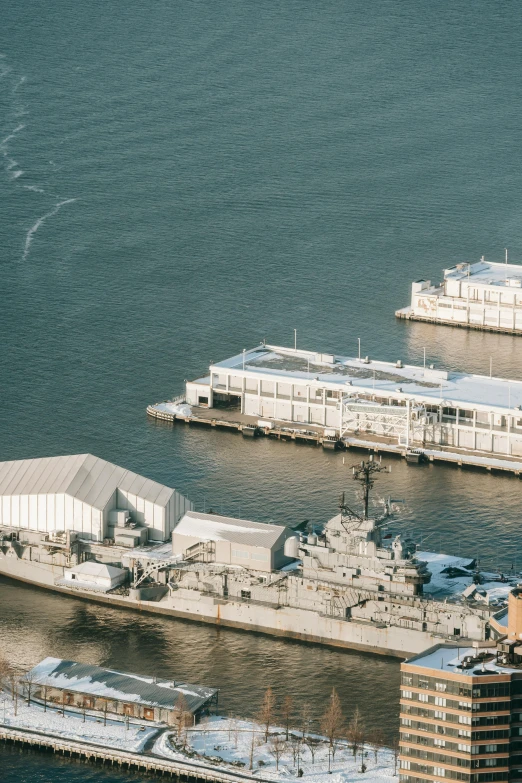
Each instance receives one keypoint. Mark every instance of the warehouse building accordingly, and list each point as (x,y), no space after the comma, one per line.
(240,542)
(483,295)
(461,710)
(88,496)
(406,404)
(83,686)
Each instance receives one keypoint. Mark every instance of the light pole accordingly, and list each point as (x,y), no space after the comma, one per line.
(359,342)
(295,340)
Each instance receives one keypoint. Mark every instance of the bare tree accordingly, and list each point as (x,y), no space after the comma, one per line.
(252,746)
(181,712)
(306,718)
(277,747)
(235,730)
(376,741)
(286,713)
(356,731)
(266,713)
(27,682)
(332,722)
(8,677)
(312,743)
(5,670)
(295,744)
(396,751)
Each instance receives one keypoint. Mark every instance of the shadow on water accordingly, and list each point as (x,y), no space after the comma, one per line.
(36,623)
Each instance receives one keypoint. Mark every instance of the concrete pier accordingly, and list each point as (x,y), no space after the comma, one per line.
(140,762)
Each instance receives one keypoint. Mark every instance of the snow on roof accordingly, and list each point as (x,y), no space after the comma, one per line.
(448,658)
(82,476)
(88,679)
(485,273)
(353,376)
(212,527)
(92,568)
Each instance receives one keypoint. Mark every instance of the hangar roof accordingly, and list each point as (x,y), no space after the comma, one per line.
(213,527)
(82,476)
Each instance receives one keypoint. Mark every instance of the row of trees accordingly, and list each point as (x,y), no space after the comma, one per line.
(333,726)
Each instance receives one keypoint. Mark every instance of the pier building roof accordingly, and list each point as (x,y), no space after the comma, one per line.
(212,527)
(353,375)
(106,683)
(487,273)
(82,476)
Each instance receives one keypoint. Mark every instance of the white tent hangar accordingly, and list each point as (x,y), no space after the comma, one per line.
(87,495)
(211,537)
(97,576)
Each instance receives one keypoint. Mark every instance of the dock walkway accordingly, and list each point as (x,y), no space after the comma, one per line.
(234,421)
(141,762)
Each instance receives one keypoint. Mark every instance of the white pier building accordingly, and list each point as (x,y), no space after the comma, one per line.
(413,406)
(483,295)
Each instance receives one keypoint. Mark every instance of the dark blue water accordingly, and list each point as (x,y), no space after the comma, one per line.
(182,180)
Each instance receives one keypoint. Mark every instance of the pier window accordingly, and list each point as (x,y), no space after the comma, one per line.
(128,709)
(267,388)
(148,714)
(235,383)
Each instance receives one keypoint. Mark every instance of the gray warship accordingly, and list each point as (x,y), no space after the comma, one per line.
(351,583)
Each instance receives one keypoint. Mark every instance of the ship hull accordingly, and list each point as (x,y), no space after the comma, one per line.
(300,624)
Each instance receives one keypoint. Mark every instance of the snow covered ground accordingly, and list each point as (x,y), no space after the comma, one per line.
(72,726)
(230,742)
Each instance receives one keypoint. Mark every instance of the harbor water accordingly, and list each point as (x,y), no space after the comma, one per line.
(179,181)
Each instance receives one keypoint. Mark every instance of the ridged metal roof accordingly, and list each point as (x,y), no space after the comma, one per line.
(82,476)
(213,527)
(112,685)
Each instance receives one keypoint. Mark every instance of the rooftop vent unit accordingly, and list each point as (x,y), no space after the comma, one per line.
(398,364)
(366,360)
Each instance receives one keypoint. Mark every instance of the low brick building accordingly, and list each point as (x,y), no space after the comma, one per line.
(461,710)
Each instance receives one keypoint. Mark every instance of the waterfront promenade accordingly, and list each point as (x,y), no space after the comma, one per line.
(140,762)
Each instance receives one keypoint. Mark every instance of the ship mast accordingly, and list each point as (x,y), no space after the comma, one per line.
(364,473)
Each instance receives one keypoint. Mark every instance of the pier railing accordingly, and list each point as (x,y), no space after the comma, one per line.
(146,762)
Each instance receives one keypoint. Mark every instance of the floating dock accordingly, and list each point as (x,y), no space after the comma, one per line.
(233,421)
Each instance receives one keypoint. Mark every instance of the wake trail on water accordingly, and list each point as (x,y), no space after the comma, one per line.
(11,165)
(41,220)
(13,133)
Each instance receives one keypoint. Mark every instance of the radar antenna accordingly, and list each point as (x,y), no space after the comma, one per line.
(364,473)
(347,511)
